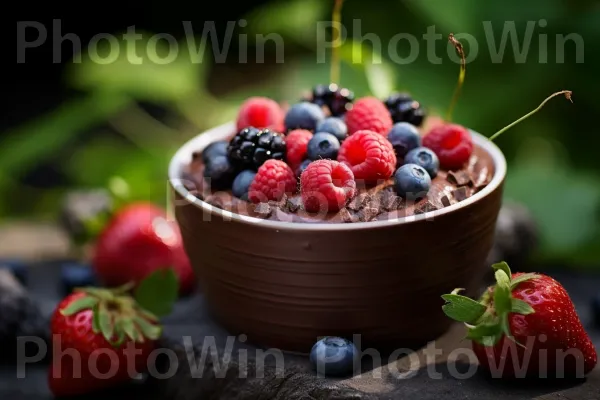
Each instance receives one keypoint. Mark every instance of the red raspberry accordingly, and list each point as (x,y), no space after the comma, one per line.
(451,143)
(273,179)
(326,183)
(260,112)
(369,113)
(297,141)
(369,155)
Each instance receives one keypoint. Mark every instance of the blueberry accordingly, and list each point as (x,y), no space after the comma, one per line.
(302,167)
(17,268)
(424,157)
(323,146)
(335,126)
(75,275)
(242,183)
(214,150)
(220,172)
(411,181)
(334,356)
(304,115)
(404,137)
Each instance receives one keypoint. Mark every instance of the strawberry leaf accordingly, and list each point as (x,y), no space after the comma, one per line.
(129,329)
(105,321)
(149,330)
(158,292)
(502,296)
(522,278)
(96,319)
(84,303)
(502,266)
(462,309)
(518,306)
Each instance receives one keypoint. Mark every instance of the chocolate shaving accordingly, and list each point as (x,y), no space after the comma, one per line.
(359,201)
(214,200)
(425,208)
(389,201)
(346,216)
(263,209)
(292,204)
(367,214)
(480,180)
(196,155)
(460,194)
(445,201)
(458,178)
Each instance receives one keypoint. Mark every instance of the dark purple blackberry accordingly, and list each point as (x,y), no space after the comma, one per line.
(251,147)
(404,109)
(337,100)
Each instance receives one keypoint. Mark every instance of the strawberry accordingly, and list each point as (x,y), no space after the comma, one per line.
(136,241)
(524,326)
(105,336)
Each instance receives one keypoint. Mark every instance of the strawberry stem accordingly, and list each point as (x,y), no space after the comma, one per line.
(568,94)
(461,76)
(336,36)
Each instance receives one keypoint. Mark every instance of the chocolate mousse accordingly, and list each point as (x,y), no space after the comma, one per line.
(371,203)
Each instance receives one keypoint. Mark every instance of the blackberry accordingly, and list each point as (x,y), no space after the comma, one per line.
(337,100)
(251,147)
(404,109)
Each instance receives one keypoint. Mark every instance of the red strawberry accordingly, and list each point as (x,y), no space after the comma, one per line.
(106,336)
(525,326)
(137,241)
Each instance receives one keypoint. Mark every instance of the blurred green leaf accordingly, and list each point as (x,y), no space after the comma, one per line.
(148,68)
(380,75)
(32,142)
(563,201)
(294,19)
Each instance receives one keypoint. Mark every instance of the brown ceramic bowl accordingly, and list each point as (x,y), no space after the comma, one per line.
(286,284)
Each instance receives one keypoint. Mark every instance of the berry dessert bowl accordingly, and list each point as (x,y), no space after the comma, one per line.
(274,268)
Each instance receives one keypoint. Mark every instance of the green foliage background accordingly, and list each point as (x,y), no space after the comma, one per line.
(109,128)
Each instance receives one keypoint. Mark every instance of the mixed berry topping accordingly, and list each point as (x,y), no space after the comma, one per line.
(404,109)
(451,143)
(261,113)
(369,113)
(332,149)
(251,147)
(335,99)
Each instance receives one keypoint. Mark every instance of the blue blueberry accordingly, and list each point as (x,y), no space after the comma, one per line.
(425,158)
(242,183)
(404,137)
(220,171)
(18,268)
(304,115)
(302,167)
(411,181)
(214,150)
(75,275)
(335,126)
(323,146)
(334,356)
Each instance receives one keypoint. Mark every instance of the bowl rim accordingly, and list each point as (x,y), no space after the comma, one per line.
(183,156)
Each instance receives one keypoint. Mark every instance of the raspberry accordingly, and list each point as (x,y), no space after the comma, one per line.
(326,183)
(260,112)
(369,155)
(273,179)
(369,113)
(297,142)
(451,143)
